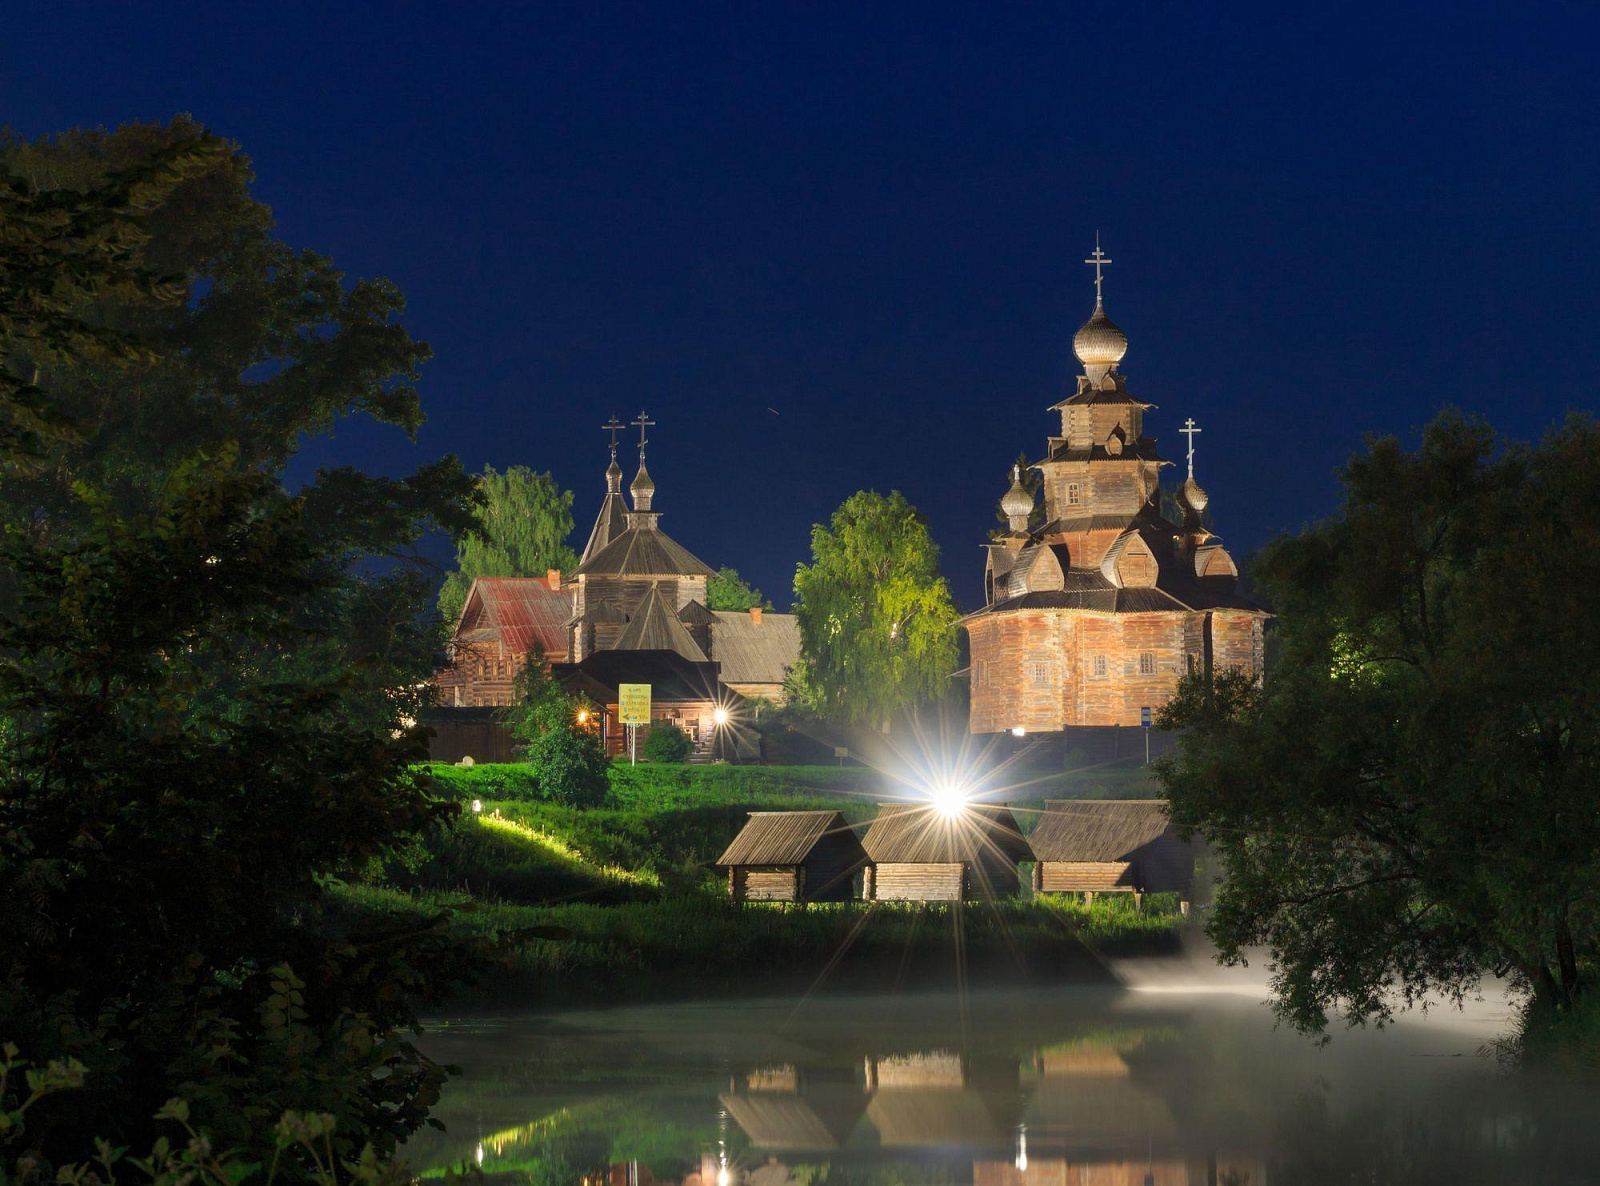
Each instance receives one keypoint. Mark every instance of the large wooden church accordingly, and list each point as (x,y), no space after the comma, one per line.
(1092,617)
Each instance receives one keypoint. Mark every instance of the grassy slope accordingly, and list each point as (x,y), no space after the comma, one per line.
(641,907)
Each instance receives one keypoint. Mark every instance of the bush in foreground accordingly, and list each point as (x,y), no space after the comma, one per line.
(666,743)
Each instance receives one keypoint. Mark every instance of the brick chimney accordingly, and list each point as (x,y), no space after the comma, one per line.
(755,615)
(553,577)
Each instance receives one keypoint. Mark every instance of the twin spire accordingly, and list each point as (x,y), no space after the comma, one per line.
(643,488)
(615,517)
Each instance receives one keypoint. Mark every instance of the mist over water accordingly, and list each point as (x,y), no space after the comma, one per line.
(1179,1078)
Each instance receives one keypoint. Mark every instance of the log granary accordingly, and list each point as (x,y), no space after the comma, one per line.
(920,852)
(794,856)
(1094,846)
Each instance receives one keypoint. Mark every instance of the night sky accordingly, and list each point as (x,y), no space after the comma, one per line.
(1323,224)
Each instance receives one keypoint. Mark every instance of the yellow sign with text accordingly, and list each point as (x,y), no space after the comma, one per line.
(633,703)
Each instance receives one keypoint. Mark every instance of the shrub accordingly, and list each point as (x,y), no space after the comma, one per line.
(666,743)
(570,766)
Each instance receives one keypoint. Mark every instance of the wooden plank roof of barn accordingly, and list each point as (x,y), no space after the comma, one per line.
(644,551)
(919,834)
(751,651)
(656,627)
(1096,831)
(785,837)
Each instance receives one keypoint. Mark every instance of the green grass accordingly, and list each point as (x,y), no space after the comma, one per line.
(705,944)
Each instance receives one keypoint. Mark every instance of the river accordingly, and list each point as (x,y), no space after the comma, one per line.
(1172,1083)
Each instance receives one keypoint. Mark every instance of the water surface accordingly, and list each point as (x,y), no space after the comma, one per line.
(1182,1085)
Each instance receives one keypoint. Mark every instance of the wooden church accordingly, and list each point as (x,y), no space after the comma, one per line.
(1094,616)
(633,611)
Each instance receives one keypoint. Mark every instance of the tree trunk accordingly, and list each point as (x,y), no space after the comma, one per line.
(1567,956)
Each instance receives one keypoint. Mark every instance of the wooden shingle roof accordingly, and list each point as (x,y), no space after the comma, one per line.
(784,837)
(611,522)
(751,652)
(656,627)
(1095,831)
(644,551)
(916,833)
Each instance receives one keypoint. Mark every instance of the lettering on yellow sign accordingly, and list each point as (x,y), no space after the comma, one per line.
(633,703)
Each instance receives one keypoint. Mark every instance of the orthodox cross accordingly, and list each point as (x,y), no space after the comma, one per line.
(1099,259)
(613,426)
(1189,430)
(643,424)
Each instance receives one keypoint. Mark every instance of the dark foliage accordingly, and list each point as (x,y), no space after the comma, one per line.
(198,669)
(1410,800)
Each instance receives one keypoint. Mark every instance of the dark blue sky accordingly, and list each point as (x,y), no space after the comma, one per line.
(870,219)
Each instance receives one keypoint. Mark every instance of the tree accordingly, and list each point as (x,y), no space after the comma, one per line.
(877,625)
(565,754)
(727,590)
(1408,802)
(524,523)
(207,680)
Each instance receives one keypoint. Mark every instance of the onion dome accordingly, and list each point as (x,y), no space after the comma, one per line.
(1194,497)
(1017,504)
(643,488)
(1099,344)
(613,477)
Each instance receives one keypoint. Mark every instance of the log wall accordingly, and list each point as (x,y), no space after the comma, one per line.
(765,884)
(918,883)
(1063,877)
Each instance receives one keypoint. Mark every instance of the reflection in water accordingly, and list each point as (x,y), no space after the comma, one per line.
(1071,1088)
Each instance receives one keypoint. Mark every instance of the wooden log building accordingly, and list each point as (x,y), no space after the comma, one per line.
(794,856)
(1095,846)
(1096,613)
(918,853)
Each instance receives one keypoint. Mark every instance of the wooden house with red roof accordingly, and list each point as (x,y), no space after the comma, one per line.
(503,620)
(1094,617)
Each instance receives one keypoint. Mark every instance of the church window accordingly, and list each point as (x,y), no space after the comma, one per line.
(1147,663)
(983,674)
(1072,494)
(1100,666)
(1041,673)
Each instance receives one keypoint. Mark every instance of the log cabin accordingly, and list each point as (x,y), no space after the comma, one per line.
(1093,615)
(793,856)
(921,854)
(1095,846)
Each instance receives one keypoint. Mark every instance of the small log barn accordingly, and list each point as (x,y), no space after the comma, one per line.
(794,856)
(1110,846)
(921,855)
